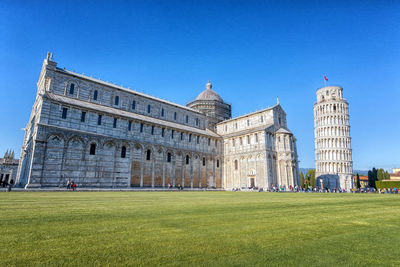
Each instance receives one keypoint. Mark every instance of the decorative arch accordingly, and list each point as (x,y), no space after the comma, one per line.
(53,160)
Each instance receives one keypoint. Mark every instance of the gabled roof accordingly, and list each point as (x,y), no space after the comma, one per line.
(269,128)
(283,130)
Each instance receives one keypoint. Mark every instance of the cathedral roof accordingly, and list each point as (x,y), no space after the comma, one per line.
(209,94)
(64,71)
(132,115)
(283,130)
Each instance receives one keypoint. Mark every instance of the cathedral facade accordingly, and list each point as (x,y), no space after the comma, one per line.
(102,135)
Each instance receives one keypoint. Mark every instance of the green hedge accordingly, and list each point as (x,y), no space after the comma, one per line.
(388,184)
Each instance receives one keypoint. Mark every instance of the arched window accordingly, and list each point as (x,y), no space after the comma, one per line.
(148,108)
(174,115)
(95,94)
(162,112)
(187,159)
(116,100)
(190,137)
(236,164)
(197,122)
(187,119)
(169,157)
(148,154)
(133,104)
(262,118)
(93,149)
(204,161)
(123,152)
(217,163)
(71,89)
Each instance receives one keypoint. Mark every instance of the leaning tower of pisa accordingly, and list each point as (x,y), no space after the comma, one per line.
(333,161)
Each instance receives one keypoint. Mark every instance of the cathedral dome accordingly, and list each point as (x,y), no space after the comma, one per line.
(209,94)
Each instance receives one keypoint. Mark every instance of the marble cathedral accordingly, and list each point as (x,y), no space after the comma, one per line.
(99,134)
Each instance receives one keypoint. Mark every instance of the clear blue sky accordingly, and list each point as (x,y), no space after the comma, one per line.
(253,51)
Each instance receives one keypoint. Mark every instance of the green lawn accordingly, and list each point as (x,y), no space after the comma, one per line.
(198,228)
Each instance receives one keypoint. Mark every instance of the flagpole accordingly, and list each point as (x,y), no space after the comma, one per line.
(324,81)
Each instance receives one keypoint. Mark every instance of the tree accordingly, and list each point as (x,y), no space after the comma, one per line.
(372,178)
(381,174)
(310,176)
(387,176)
(301,179)
(358,181)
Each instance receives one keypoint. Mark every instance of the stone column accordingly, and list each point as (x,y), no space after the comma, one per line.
(152,168)
(141,166)
(173,161)
(183,170)
(191,169)
(163,171)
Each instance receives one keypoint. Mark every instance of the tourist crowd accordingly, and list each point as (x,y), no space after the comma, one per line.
(71,185)
(316,189)
(8,184)
(388,190)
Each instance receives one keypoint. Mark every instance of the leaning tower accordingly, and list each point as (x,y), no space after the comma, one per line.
(333,161)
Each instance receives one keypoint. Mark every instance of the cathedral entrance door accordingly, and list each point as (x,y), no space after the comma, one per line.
(251,182)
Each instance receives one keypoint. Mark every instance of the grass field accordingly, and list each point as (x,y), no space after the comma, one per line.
(199,228)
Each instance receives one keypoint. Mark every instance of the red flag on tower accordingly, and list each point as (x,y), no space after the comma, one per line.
(326,79)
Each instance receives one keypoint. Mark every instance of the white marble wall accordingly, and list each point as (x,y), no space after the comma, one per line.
(57,148)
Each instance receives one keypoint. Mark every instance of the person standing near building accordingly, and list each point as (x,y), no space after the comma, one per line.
(10,185)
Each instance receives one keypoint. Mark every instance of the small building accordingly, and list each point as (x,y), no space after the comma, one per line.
(363,180)
(8,167)
(395,176)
